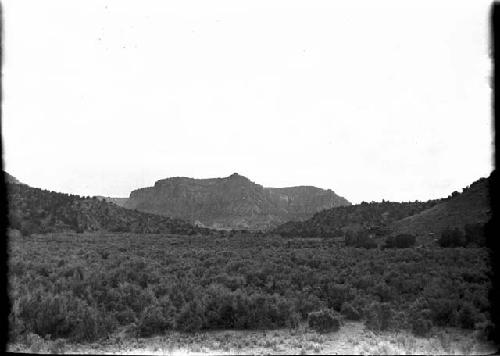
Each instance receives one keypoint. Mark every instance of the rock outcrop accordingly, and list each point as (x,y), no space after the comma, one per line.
(232,202)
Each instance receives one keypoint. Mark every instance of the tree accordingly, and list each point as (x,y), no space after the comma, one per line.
(475,234)
(359,239)
(400,241)
(452,238)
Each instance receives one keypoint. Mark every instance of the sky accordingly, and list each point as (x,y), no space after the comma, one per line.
(372,99)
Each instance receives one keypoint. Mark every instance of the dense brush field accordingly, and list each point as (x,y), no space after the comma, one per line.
(84,287)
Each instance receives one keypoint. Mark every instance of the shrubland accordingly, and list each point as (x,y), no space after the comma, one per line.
(471,235)
(84,287)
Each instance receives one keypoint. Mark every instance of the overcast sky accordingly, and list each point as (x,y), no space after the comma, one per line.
(372,99)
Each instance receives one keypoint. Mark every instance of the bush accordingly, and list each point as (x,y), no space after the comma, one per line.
(361,303)
(475,234)
(307,303)
(452,238)
(219,311)
(191,317)
(152,321)
(467,316)
(401,320)
(34,342)
(91,324)
(359,239)
(378,316)
(44,314)
(28,229)
(336,294)
(269,311)
(57,347)
(485,331)
(324,321)
(400,241)
(125,316)
(443,311)
(258,310)
(349,312)
(383,291)
(421,326)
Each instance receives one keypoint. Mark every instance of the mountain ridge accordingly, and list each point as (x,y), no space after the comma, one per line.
(236,202)
(233,202)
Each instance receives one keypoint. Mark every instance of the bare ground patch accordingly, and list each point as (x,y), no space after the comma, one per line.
(352,338)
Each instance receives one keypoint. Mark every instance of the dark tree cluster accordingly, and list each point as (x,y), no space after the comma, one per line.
(400,241)
(324,321)
(359,239)
(472,235)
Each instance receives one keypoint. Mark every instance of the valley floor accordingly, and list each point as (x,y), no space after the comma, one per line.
(352,338)
(104,289)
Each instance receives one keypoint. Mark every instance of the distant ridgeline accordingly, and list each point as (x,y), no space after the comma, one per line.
(236,202)
(33,210)
(232,202)
(430,218)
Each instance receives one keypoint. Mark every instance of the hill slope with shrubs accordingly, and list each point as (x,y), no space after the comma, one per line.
(10,179)
(33,210)
(378,219)
(472,206)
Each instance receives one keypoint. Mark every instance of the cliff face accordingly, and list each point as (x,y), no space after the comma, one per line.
(232,202)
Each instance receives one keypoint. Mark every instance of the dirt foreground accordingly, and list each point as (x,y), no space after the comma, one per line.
(352,338)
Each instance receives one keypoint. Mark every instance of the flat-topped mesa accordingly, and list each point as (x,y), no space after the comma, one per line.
(201,181)
(231,202)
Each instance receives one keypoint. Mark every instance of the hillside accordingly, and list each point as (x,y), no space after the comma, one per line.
(390,218)
(373,217)
(118,201)
(302,201)
(9,179)
(469,207)
(33,210)
(232,202)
